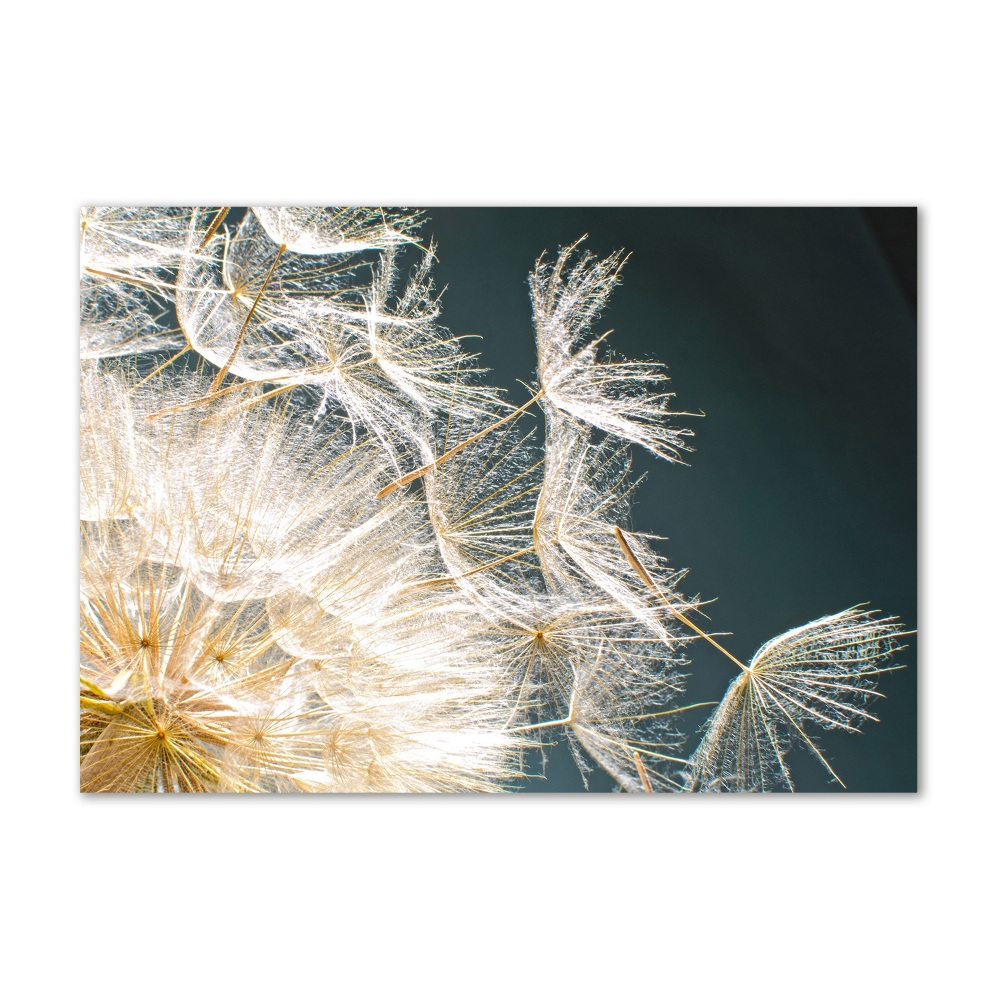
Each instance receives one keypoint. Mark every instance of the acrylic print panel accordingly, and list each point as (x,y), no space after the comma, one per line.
(331,541)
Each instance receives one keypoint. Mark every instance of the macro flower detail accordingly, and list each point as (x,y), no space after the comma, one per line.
(320,553)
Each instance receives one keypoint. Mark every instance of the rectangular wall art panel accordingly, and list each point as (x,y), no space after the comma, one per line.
(376,500)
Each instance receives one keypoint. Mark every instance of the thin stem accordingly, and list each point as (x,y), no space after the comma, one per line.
(643,776)
(216,222)
(478,569)
(193,403)
(131,279)
(648,580)
(668,711)
(166,364)
(542,725)
(423,470)
(253,402)
(243,329)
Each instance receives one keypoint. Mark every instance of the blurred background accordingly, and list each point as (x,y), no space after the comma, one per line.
(794,331)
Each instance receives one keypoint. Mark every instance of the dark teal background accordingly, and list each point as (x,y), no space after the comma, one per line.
(794,331)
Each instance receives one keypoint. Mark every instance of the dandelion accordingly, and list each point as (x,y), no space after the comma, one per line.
(263,608)
(248,607)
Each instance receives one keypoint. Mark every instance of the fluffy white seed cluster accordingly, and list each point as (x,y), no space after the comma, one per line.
(319,553)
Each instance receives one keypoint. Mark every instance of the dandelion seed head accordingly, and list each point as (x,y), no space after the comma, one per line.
(271,602)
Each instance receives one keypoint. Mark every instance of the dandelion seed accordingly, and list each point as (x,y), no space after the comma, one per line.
(614,396)
(623,398)
(822,674)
